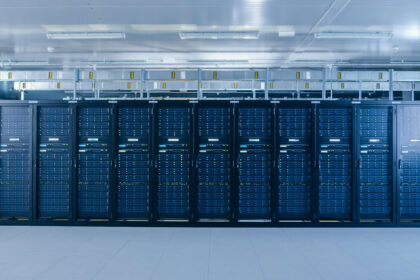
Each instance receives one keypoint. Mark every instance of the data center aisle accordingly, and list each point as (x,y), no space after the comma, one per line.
(208,253)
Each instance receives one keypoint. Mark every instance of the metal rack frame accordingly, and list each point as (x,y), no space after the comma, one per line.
(252,83)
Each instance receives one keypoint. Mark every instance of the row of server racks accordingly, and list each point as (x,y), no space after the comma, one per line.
(214,162)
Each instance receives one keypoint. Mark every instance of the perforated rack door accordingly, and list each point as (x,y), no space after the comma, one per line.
(93,162)
(174,162)
(15,162)
(54,162)
(294,162)
(133,162)
(375,163)
(409,162)
(254,162)
(335,163)
(214,161)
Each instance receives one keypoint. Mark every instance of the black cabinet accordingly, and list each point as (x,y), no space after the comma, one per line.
(210,162)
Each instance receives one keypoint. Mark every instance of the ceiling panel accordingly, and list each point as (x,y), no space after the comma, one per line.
(152,28)
(217,12)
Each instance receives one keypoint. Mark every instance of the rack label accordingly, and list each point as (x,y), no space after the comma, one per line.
(53,139)
(133,140)
(14,139)
(173,140)
(335,140)
(213,140)
(93,139)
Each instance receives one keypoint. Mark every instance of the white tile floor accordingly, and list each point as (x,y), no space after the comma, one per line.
(79,253)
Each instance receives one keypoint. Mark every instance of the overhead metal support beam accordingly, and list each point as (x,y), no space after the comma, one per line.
(324,83)
(142,82)
(76,80)
(267,77)
(391,87)
(199,92)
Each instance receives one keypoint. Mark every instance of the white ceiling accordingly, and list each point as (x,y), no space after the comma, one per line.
(152,28)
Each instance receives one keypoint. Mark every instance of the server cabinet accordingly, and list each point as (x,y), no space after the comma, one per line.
(214,160)
(294,158)
(254,160)
(133,162)
(16,162)
(174,161)
(54,168)
(375,163)
(409,163)
(335,163)
(93,161)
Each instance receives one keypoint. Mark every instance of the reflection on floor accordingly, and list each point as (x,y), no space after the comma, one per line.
(81,253)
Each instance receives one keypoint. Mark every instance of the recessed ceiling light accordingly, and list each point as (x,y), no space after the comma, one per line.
(85,35)
(286,33)
(218,35)
(353,35)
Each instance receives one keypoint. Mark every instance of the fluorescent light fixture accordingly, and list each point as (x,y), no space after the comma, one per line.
(219,35)
(353,35)
(413,33)
(218,61)
(85,35)
(286,33)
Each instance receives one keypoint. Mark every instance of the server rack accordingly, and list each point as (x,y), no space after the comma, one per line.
(54,162)
(214,160)
(174,160)
(94,162)
(254,161)
(294,161)
(134,161)
(335,162)
(16,162)
(375,163)
(402,145)
(408,150)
